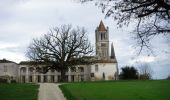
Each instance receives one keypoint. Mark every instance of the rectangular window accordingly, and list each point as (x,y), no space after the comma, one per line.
(30,79)
(82,77)
(72,78)
(96,68)
(45,78)
(92,74)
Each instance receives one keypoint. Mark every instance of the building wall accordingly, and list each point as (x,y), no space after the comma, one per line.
(104,71)
(28,74)
(102,45)
(9,71)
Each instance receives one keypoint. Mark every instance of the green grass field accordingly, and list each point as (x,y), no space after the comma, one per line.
(118,90)
(18,92)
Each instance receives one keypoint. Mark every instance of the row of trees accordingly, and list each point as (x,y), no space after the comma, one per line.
(129,72)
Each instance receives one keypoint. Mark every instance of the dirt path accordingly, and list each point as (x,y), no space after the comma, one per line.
(50,91)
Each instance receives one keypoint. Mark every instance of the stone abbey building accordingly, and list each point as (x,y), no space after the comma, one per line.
(106,67)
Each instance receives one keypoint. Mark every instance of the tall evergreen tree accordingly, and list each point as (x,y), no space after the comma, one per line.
(129,72)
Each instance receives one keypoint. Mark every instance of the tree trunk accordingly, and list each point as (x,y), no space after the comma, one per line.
(63,76)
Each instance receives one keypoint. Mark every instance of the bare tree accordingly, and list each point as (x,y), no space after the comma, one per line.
(61,48)
(152,16)
(145,71)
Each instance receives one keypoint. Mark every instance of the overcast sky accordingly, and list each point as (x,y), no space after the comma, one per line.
(23,20)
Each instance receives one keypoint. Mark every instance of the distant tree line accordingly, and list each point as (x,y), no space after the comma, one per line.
(132,73)
(168,78)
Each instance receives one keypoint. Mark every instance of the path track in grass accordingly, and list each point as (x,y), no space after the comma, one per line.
(50,91)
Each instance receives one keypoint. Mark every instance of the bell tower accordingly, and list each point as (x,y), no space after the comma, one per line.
(102,42)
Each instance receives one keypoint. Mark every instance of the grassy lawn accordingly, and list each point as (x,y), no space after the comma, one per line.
(18,92)
(118,90)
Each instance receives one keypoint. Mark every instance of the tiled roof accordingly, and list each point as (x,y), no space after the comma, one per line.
(101,26)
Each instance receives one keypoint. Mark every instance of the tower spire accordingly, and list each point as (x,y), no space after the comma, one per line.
(101,26)
(102,41)
(112,52)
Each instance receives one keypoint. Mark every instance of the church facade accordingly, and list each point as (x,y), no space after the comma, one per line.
(105,68)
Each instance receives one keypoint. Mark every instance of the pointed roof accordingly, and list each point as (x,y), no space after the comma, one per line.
(101,26)
(112,52)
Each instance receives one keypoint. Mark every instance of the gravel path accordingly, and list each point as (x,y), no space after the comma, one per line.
(50,91)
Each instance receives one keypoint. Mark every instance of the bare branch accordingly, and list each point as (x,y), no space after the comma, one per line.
(61,48)
(127,11)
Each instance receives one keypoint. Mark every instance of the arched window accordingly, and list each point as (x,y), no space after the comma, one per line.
(23,70)
(31,69)
(104,36)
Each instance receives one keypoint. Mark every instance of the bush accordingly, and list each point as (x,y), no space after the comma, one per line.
(145,77)
(13,81)
(3,80)
(128,72)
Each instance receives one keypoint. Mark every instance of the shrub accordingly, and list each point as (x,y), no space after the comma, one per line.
(129,72)
(145,77)
(3,80)
(13,81)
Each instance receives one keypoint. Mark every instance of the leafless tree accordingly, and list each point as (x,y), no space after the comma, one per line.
(145,71)
(152,17)
(61,48)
